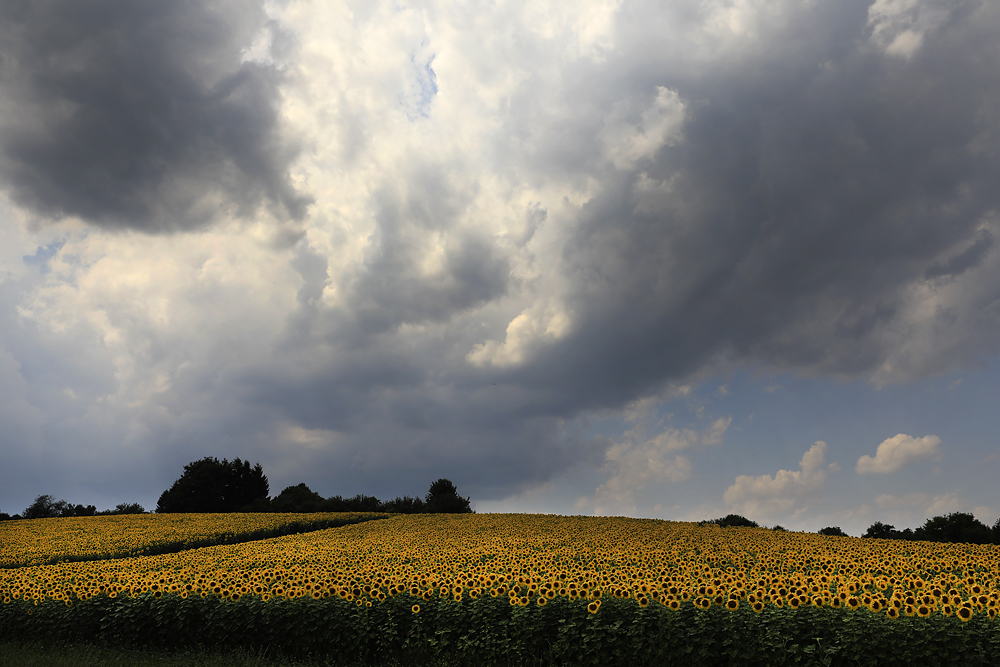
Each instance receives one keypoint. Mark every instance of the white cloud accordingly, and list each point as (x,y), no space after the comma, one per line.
(635,461)
(897,452)
(659,124)
(525,334)
(899,26)
(787,491)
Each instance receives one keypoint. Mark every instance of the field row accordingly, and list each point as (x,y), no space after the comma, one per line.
(533,560)
(45,541)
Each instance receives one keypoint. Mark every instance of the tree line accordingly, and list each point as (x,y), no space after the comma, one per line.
(954,527)
(210,485)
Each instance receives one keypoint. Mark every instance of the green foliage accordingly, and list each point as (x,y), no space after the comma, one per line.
(834,531)
(490,631)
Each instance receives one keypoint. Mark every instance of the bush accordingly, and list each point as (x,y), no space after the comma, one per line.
(732,520)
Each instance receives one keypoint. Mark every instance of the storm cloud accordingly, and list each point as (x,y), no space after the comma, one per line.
(136,116)
(512,219)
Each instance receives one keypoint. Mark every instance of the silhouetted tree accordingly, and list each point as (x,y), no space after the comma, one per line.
(44,507)
(359,503)
(209,485)
(298,498)
(880,531)
(404,505)
(79,510)
(835,531)
(443,498)
(47,507)
(126,508)
(732,520)
(955,527)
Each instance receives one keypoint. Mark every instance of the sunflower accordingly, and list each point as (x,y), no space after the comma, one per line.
(593,607)
(947,609)
(542,601)
(793,602)
(675,605)
(853,602)
(415,609)
(923,611)
(732,605)
(964,613)
(643,601)
(892,612)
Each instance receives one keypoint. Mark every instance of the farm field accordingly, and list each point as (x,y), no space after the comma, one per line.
(556,590)
(44,541)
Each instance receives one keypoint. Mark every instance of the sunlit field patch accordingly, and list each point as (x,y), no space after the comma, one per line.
(505,585)
(523,557)
(42,541)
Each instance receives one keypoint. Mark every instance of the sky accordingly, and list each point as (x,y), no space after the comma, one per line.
(672,259)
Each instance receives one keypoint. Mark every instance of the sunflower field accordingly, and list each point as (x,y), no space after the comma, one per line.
(44,541)
(516,589)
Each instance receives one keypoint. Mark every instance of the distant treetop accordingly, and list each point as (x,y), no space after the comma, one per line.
(210,485)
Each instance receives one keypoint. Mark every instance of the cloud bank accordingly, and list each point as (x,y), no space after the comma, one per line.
(425,240)
(788,491)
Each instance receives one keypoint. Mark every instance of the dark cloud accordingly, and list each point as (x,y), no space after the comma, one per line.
(816,184)
(969,258)
(822,195)
(142,116)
